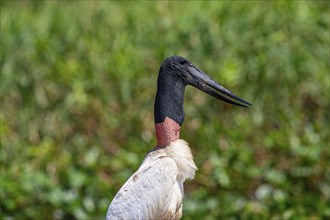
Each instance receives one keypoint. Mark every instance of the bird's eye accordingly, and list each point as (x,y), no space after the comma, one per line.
(182,62)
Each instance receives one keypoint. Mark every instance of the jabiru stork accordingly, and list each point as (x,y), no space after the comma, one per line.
(155,190)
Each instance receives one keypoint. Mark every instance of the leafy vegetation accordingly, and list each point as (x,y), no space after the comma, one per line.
(78,81)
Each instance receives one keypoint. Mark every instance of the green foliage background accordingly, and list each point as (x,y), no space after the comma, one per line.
(78,81)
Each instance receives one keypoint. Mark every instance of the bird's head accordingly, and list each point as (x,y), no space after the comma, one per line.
(175,73)
(182,70)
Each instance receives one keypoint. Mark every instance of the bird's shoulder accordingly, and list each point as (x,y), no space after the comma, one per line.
(148,193)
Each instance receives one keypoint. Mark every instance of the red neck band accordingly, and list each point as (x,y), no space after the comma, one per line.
(166,132)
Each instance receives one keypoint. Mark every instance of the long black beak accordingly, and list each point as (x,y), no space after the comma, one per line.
(202,81)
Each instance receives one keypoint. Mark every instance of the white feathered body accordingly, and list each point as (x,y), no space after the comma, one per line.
(155,190)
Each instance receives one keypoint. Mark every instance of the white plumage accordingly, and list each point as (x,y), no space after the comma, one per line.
(155,190)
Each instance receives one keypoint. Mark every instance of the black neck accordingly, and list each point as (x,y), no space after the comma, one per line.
(169,98)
